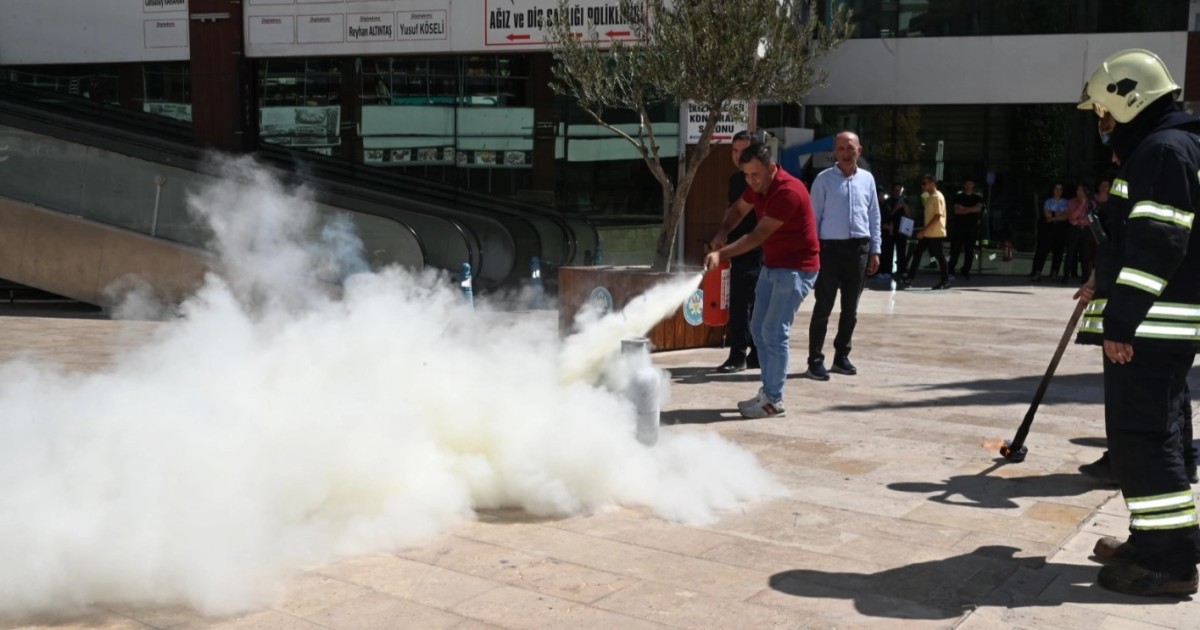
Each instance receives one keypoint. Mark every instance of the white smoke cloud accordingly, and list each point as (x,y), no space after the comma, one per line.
(277,425)
(586,353)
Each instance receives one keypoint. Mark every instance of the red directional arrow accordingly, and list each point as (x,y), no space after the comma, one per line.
(618,33)
(515,36)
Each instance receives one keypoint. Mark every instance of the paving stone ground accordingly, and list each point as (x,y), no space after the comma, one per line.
(898,516)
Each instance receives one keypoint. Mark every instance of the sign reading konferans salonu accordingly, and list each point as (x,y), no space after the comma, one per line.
(735,118)
(287,28)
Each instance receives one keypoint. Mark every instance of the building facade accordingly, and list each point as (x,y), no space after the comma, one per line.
(458,92)
(455,92)
(986,89)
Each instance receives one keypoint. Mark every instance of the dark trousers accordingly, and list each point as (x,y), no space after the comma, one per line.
(843,268)
(1144,421)
(742,280)
(1052,239)
(902,250)
(934,247)
(1081,250)
(962,241)
(892,245)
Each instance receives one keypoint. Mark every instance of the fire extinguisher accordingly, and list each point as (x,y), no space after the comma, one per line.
(1008,253)
(716,295)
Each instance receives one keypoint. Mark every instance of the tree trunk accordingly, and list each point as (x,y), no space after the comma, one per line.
(675,202)
(672,211)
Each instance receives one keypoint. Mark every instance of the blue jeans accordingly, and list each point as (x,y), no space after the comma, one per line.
(777,297)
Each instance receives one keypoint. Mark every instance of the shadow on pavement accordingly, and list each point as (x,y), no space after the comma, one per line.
(1084,388)
(61,310)
(700,416)
(948,588)
(1065,388)
(983,491)
(990,283)
(699,376)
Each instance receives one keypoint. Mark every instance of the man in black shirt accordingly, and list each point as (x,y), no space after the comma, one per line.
(743,275)
(895,243)
(968,206)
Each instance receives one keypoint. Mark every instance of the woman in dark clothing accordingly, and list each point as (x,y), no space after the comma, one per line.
(1052,234)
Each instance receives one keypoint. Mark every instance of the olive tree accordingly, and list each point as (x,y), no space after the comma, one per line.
(709,52)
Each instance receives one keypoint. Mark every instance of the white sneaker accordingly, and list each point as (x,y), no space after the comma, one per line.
(757,400)
(765,409)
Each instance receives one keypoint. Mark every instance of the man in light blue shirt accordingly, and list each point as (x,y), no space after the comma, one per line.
(846,205)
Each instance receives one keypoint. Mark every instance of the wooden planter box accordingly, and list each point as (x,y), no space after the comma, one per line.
(577,284)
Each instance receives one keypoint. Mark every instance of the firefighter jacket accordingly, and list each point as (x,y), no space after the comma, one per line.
(1148,269)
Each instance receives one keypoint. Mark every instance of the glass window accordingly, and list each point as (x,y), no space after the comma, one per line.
(941,18)
(1024,147)
(409,80)
(100,83)
(160,88)
(300,103)
(461,120)
(603,175)
(495,80)
(168,91)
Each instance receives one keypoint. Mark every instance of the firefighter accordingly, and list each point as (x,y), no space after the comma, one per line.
(1144,310)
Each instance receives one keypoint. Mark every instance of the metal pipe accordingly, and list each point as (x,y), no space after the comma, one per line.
(159,180)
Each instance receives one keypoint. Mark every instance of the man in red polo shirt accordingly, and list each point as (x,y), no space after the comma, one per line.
(787,231)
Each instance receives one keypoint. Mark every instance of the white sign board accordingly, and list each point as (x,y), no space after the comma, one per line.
(275,29)
(429,24)
(291,28)
(370,27)
(525,22)
(96,31)
(41,32)
(166,33)
(696,118)
(320,29)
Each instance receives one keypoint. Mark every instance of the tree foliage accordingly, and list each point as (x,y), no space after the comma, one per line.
(1042,135)
(897,142)
(709,52)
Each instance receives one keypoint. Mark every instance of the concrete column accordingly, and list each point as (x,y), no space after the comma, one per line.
(222,106)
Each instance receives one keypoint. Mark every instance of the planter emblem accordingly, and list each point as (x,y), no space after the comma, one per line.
(693,308)
(601,300)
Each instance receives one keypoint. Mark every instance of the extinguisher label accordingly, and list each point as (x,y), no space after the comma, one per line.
(725,289)
(716,296)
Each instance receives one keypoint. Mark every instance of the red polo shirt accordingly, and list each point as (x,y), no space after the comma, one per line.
(794,245)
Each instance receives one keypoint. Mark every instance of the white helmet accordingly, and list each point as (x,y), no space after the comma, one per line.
(1126,83)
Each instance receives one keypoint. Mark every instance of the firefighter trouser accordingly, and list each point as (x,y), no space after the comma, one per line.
(1143,418)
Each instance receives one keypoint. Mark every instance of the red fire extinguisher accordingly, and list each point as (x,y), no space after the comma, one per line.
(716,295)
(1008,253)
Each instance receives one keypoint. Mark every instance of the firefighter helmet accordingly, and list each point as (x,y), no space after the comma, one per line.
(1125,83)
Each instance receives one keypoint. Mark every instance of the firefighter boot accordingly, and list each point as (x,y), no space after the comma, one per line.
(1134,579)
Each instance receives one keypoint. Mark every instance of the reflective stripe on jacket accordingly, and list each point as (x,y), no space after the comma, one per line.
(1148,271)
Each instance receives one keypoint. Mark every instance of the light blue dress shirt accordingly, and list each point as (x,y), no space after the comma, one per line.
(846,207)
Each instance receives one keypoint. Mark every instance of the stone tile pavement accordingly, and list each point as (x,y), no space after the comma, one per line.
(898,516)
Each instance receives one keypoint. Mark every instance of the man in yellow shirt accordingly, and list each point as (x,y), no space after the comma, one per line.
(931,237)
